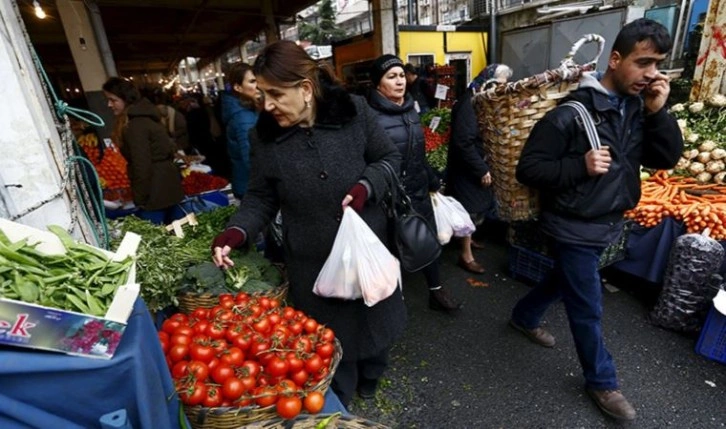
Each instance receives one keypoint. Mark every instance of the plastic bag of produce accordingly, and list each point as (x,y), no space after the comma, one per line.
(359,264)
(690,282)
(452,219)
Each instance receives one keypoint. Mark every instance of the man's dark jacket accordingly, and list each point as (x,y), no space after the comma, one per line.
(584,209)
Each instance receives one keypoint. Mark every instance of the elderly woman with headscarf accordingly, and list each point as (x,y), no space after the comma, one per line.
(468,179)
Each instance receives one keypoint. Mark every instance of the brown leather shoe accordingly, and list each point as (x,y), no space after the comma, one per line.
(472,266)
(537,335)
(440,300)
(613,403)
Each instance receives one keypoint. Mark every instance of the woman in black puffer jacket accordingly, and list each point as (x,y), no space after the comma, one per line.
(398,116)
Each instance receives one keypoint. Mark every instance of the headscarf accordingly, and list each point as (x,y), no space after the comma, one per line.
(491,73)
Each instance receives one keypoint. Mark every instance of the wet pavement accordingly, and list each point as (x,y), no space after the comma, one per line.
(473,371)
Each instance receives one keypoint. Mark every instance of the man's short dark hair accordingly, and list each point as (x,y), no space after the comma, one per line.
(641,30)
(409,68)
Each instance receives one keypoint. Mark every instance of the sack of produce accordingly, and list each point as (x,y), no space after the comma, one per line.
(690,282)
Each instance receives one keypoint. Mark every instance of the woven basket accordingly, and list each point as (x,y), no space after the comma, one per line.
(189,301)
(307,421)
(506,114)
(235,417)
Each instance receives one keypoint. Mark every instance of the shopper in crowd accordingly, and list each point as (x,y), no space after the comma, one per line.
(467,174)
(315,150)
(585,191)
(149,152)
(239,116)
(417,88)
(397,116)
(172,119)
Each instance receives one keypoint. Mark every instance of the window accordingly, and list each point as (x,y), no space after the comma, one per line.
(421,60)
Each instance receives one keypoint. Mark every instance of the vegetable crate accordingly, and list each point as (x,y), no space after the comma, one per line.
(712,342)
(38,327)
(528,265)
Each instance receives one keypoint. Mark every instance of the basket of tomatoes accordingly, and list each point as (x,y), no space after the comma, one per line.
(248,359)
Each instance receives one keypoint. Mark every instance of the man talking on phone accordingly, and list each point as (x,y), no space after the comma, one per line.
(584,192)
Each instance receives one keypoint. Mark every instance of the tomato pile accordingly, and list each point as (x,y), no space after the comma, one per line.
(111,168)
(196,183)
(248,351)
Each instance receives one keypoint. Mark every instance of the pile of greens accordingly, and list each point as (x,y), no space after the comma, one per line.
(252,273)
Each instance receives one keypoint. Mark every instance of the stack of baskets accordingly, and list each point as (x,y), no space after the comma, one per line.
(506,114)
(236,417)
(188,301)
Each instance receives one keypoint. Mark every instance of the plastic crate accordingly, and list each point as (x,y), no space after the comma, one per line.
(712,342)
(528,265)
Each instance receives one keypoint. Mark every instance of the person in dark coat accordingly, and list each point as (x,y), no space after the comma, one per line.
(468,179)
(239,116)
(149,152)
(584,192)
(316,150)
(397,116)
(418,88)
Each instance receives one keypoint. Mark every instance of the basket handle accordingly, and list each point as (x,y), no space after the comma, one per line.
(588,38)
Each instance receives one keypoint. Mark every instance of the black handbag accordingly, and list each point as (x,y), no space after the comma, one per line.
(415,242)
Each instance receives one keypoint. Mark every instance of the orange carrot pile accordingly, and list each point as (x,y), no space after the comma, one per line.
(699,206)
(111,168)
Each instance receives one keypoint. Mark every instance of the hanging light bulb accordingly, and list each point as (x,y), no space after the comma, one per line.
(39,12)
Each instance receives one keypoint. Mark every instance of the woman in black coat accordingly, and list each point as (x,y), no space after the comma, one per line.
(468,179)
(398,117)
(316,149)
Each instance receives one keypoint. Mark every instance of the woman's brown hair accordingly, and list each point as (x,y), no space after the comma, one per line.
(286,64)
(236,76)
(126,91)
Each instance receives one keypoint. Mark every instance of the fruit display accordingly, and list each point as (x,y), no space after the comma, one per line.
(249,354)
(195,183)
(110,165)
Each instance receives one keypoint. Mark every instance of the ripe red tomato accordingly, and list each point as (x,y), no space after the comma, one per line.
(201,352)
(327,335)
(289,407)
(178,352)
(199,370)
(241,298)
(181,339)
(314,402)
(296,328)
(183,330)
(213,397)
(313,364)
(200,327)
(215,331)
(295,364)
(302,344)
(267,395)
(180,369)
(277,367)
(274,303)
(262,326)
(179,317)
(169,326)
(300,378)
(232,388)
(243,341)
(233,356)
(221,373)
(274,318)
(264,302)
(310,325)
(227,304)
(163,335)
(288,313)
(251,368)
(193,394)
(200,313)
(325,350)
(164,344)
(248,383)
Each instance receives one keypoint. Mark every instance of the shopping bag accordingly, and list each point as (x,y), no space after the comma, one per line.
(451,216)
(359,265)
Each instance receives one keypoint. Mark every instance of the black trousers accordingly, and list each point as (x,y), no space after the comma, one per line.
(349,373)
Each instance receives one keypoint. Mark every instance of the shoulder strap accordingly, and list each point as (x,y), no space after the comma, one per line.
(587,122)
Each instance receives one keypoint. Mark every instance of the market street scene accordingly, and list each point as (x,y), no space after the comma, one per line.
(310,214)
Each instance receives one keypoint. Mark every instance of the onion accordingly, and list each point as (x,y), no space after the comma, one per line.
(718,153)
(704,157)
(703,177)
(696,167)
(714,167)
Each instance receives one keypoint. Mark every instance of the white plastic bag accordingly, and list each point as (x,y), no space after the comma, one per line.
(359,264)
(451,218)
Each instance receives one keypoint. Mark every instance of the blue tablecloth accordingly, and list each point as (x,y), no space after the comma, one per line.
(648,250)
(52,390)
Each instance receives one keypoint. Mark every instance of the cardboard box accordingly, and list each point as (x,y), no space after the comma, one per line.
(38,327)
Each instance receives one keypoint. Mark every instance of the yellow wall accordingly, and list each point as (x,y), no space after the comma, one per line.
(432,42)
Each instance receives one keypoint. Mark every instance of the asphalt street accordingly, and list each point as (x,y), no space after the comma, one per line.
(473,371)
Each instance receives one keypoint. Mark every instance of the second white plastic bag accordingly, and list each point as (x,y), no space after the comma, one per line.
(451,217)
(359,264)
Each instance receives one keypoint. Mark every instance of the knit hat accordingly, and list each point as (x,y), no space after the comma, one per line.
(381,65)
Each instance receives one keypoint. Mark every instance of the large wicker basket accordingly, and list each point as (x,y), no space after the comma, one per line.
(506,114)
(307,421)
(235,417)
(188,301)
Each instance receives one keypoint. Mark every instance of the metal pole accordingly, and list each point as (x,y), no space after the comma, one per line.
(101,39)
(493,33)
(410,12)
